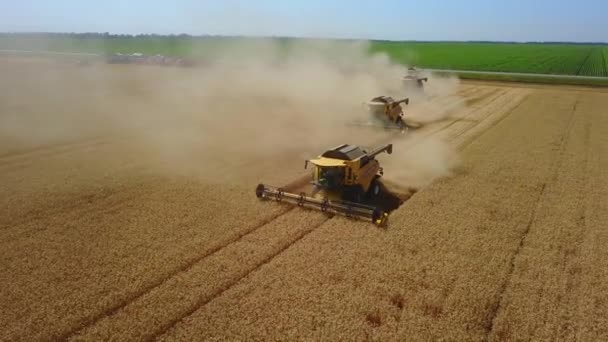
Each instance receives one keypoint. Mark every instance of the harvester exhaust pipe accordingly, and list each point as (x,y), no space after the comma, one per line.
(349,209)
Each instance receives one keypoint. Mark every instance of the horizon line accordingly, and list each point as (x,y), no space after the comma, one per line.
(208,35)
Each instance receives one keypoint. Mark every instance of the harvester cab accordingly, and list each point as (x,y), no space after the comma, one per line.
(349,172)
(346,176)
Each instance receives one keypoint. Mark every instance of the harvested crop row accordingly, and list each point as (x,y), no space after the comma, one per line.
(480,123)
(460,111)
(436,272)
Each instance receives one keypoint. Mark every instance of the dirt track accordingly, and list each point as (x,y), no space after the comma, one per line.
(101,239)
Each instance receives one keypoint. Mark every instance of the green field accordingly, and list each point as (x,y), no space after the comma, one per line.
(559,59)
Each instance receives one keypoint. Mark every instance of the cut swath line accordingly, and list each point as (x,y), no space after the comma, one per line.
(496,306)
(227,287)
(184,268)
(581,222)
(492,125)
(471,114)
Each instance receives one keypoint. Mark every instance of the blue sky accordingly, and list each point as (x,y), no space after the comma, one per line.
(512,20)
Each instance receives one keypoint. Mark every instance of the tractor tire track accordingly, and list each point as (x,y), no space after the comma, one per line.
(491,119)
(470,114)
(493,124)
(497,305)
(475,122)
(184,268)
(221,291)
(568,264)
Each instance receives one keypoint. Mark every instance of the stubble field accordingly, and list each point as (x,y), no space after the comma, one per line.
(127,210)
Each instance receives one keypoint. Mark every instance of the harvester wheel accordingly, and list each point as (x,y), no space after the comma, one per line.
(374,189)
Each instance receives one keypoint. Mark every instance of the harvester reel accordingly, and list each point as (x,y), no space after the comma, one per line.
(374,189)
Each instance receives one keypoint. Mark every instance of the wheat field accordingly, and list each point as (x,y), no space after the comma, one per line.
(125,214)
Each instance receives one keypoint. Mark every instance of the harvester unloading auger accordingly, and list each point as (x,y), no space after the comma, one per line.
(345,181)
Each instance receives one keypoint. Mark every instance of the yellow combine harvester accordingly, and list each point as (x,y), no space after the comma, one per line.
(345,181)
(387,110)
(384,112)
(413,82)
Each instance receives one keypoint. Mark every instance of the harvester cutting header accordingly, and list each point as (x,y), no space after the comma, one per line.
(345,180)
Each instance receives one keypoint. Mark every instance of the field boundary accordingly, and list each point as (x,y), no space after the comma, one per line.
(524,74)
(576,79)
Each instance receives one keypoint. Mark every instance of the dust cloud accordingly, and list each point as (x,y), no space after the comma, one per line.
(427,108)
(257,100)
(419,161)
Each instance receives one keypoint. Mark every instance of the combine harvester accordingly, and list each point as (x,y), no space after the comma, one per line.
(345,181)
(387,113)
(413,82)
